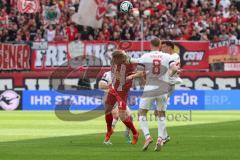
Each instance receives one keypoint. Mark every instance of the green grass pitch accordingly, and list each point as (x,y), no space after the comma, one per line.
(209,135)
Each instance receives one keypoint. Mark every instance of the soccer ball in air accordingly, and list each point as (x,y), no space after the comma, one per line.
(126,6)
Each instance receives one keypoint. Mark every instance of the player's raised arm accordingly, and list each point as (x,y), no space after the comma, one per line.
(134,60)
(140,73)
(105,82)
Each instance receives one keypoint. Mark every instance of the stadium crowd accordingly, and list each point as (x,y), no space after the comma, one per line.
(213,20)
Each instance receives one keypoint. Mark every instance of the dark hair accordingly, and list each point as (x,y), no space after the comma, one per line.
(169,44)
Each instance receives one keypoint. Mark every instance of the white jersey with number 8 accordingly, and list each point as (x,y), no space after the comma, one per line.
(156,67)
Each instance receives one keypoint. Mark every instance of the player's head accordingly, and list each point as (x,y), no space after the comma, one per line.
(167,47)
(155,44)
(164,47)
(119,57)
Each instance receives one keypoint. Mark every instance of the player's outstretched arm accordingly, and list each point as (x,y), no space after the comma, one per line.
(138,74)
(134,60)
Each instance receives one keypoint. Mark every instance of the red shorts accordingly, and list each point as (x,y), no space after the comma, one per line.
(119,97)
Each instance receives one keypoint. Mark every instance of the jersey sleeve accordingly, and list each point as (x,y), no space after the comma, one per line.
(167,60)
(141,63)
(135,60)
(107,77)
(171,59)
(176,57)
(142,60)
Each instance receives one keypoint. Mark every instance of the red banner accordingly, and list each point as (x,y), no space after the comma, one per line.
(232,50)
(194,55)
(225,53)
(67,62)
(14,57)
(210,80)
(49,80)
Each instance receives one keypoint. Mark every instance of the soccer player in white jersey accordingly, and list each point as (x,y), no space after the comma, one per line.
(168,47)
(103,84)
(156,67)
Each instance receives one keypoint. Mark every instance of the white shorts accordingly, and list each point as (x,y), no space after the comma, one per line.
(148,103)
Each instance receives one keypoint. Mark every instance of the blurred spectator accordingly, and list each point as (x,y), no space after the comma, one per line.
(225,3)
(211,20)
(50,33)
(195,36)
(71,32)
(86,35)
(60,35)
(39,36)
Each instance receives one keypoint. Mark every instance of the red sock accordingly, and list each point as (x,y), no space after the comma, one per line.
(128,122)
(109,119)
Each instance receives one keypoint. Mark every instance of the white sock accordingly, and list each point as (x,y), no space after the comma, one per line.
(165,134)
(144,126)
(161,126)
(114,122)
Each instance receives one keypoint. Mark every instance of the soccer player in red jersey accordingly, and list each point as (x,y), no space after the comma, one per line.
(118,93)
(104,85)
